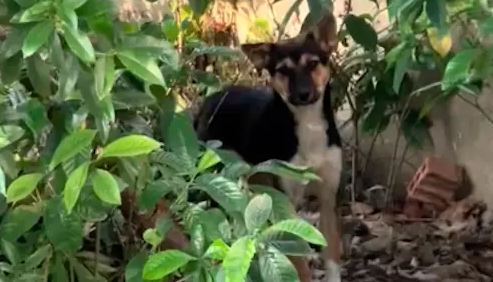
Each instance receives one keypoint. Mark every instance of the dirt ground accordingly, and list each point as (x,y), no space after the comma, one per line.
(386,246)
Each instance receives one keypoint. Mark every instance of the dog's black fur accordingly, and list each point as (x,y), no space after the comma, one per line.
(256,123)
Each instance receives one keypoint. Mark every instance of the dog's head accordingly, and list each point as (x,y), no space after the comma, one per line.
(298,66)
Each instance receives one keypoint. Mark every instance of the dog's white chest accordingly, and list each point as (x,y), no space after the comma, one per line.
(313,148)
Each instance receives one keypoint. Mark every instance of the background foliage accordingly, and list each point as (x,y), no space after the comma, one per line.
(93,133)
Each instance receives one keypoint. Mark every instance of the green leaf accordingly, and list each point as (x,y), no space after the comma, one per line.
(199,6)
(9,134)
(35,13)
(237,260)
(215,224)
(208,159)
(71,146)
(287,243)
(300,228)
(222,190)
(104,75)
(415,130)
(38,72)
(276,267)
(23,186)
(35,116)
(68,75)
(134,268)
(397,6)
(37,37)
(19,221)
(217,250)
(131,99)
(10,250)
(164,263)
(458,68)
(73,4)
(129,146)
(401,66)
(282,208)
(197,239)
(285,169)
(142,65)
(182,140)
(258,212)
(15,39)
(152,237)
(74,184)
(79,43)
(64,230)
(39,256)
(154,192)
(105,187)
(11,69)
(361,31)
(436,11)
(486,26)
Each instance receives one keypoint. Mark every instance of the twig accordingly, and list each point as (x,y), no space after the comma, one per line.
(98,249)
(478,107)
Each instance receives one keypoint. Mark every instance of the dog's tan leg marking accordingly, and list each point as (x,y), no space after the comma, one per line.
(330,174)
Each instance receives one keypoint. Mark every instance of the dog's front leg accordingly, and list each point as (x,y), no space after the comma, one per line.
(330,174)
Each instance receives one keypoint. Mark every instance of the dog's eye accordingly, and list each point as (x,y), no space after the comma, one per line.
(284,71)
(311,65)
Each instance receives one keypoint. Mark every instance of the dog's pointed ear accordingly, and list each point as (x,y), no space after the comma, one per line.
(325,33)
(260,54)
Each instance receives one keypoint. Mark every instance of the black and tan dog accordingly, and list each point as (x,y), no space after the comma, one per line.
(293,121)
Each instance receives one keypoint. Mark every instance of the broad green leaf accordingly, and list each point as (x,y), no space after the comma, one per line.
(82,273)
(361,31)
(19,221)
(392,56)
(38,72)
(237,260)
(39,256)
(89,207)
(23,186)
(71,146)
(197,239)
(15,39)
(35,116)
(62,229)
(415,130)
(142,65)
(73,4)
(155,191)
(486,26)
(104,75)
(285,169)
(401,66)
(287,243)
(58,271)
(282,208)
(134,268)
(300,228)
(26,3)
(68,76)
(73,186)
(258,212)
(131,98)
(37,37)
(129,146)
(10,250)
(35,13)
(208,159)
(11,68)
(105,187)
(68,16)
(217,250)
(9,134)
(276,267)
(458,68)
(215,224)
(397,6)
(199,6)
(79,43)
(164,263)
(182,140)
(437,13)
(222,190)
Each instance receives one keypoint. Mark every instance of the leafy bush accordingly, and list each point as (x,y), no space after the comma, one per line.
(91,114)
